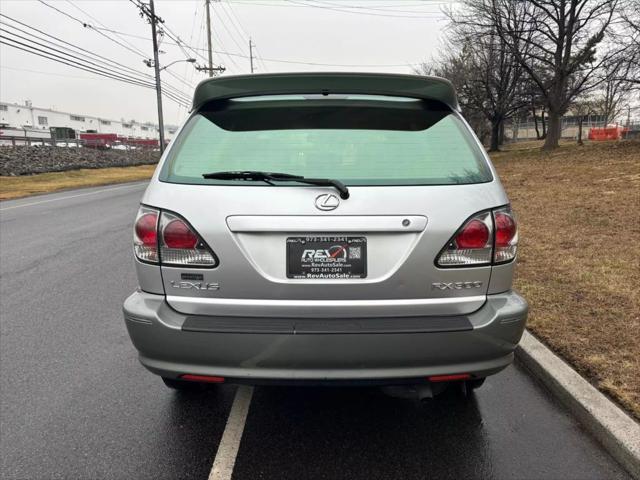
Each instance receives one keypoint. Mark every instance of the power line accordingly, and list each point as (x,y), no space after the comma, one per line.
(296,62)
(103,25)
(239,45)
(53,74)
(80,48)
(340,9)
(224,52)
(125,45)
(128,46)
(178,78)
(178,42)
(359,9)
(380,7)
(243,34)
(88,25)
(67,43)
(164,29)
(233,13)
(76,64)
(35,51)
(92,58)
(279,3)
(99,30)
(73,58)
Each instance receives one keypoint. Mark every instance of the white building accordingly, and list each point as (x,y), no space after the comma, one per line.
(35,122)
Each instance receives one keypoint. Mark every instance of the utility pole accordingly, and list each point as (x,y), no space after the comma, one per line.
(149,12)
(207,2)
(156,66)
(251,53)
(210,68)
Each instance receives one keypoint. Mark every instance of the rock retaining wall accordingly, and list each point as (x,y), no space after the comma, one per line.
(24,160)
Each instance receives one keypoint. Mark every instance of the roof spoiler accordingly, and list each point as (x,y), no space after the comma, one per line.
(411,86)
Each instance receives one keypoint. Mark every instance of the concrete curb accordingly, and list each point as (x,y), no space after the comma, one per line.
(614,429)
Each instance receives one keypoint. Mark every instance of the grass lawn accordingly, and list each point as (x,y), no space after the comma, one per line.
(579,257)
(25,185)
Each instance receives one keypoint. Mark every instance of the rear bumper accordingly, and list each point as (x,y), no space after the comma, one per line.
(389,350)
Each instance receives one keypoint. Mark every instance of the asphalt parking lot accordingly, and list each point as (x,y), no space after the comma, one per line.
(75,403)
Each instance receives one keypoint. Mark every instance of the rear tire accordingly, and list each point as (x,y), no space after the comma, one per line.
(181,385)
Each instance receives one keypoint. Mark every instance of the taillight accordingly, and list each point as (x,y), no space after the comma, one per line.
(177,234)
(489,237)
(180,245)
(471,245)
(475,234)
(506,244)
(145,235)
(164,238)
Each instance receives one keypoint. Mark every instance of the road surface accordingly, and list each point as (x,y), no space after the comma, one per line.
(75,403)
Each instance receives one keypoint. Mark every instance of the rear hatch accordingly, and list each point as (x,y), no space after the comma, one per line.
(415,175)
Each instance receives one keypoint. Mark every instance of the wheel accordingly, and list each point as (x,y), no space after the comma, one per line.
(475,383)
(181,385)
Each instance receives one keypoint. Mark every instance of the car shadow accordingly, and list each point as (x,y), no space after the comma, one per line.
(308,432)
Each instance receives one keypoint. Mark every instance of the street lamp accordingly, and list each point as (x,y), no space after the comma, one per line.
(188,60)
(149,63)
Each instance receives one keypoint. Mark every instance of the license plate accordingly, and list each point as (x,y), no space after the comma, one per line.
(326,257)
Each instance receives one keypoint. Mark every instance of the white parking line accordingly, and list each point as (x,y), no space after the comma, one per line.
(71,196)
(225,460)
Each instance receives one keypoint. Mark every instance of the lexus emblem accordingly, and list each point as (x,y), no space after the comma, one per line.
(327,201)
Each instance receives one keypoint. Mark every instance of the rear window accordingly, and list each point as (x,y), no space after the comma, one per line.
(361,140)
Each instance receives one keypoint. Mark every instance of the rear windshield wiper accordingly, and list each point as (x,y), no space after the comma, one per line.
(269,177)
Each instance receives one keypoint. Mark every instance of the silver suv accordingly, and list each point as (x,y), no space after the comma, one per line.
(325,228)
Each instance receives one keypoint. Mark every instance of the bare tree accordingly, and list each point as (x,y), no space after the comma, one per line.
(536,107)
(452,64)
(494,83)
(630,36)
(582,107)
(554,41)
(485,73)
(618,82)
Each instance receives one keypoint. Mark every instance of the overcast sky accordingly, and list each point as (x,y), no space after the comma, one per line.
(362,35)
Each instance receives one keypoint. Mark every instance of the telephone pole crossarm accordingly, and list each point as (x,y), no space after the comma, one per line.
(219,69)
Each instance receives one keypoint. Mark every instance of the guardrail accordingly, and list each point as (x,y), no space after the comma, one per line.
(14,140)
(20,141)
